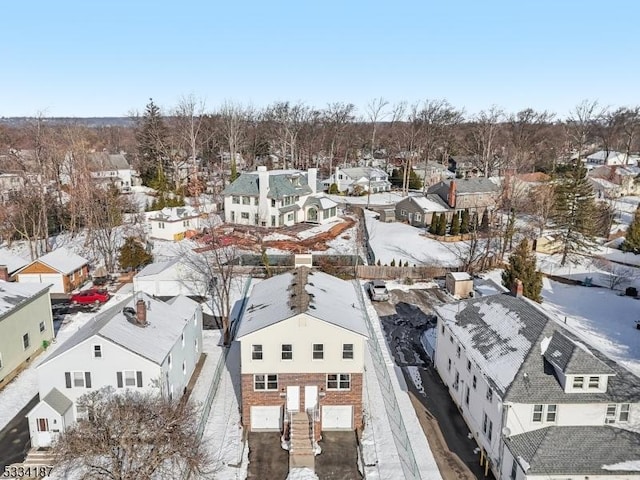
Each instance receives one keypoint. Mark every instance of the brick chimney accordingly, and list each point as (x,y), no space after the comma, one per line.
(141,312)
(451,197)
(517,289)
(4,273)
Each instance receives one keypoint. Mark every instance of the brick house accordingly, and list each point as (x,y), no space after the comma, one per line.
(61,268)
(302,339)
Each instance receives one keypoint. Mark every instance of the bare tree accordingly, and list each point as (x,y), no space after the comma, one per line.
(190,131)
(131,435)
(375,113)
(616,275)
(337,117)
(482,140)
(525,133)
(581,124)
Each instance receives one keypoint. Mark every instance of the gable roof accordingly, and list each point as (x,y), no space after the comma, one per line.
(157,267)
(62,260)
(573,358)
(166,323)
(14,295)
(281,184)
(11,261)
(430,203)
(601,450)
(58,401)
(103,161)
(465,186)
(356,173)
(315,293)
(174,214)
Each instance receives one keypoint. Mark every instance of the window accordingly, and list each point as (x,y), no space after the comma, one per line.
(449,365)
(537,413)
(244,215)
(457,381)
(318,351)
(594,382)
(290,217)
(451,338)
(255,201)
(273,220)
(78,379)
(235,200)
(25,341)
(160,224)
(611,413)
(617,412)
(551,413)
(185,223)
(578,382)
(466,395)
(443,328)
(347,351)
(97,351)
(403,213)
(256,352)
(418,217)
(338,381)
(246,200)
(475,382)
(129,378)
(487,426)
(265,382)
(469,365)
(233,216)
(41,327)
(287,351)
(624,412)
(458,351)
(273,202)
(42,424)
(256,219)
(489,394)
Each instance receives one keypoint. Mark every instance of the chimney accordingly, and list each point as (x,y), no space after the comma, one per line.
(263,185)
(4,273)
(451,198)
(312,179)
(335,180)
(517,288)
(141,312)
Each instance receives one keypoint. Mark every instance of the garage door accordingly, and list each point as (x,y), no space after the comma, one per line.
(55,280)
(337,417)
(266,418)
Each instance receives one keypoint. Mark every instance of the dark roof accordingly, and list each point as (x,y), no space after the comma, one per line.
(281,184)
(465,186)
(575,450)
(103,161)
(572,359)
(58,401)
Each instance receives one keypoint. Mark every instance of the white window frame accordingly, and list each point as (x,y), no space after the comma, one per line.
(548,413)
(578,382)
(286,353)
(315,351)
(244,215)
(347,351)
(538,409)
(615,412)
(269,382)
(97,348)
(73,380)
(341,381)
(551,413)
(126,379)
(257,353)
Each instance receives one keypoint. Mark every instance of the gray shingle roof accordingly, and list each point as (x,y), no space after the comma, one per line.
(102,161)
(280,184)
(555,451)
(465,186)
(58,401)
(572,359)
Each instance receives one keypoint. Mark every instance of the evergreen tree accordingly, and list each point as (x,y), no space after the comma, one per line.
(234,170)
(151,136)
(433,228)
(574,213)
(632,239)
(133,254)
(455,224)
(393,263)
(473,226)
(333,189)
(464,222)
(396,177)
(442,225)
(484,223)
(414,180)
(522,266)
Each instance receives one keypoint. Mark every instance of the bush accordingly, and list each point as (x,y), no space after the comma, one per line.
(631,292)
(408,281)
(333,189)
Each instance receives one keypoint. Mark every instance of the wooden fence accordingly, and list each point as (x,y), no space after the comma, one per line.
(366,272)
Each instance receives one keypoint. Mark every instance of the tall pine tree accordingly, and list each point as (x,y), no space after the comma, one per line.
(632,239)
(433,228)
(464,222)
(574,213)
(151,136)
(455,224)
(442,225)
(522,266)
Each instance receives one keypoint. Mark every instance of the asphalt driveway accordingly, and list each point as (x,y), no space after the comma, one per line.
(14,438)
(339,457)
(267,459)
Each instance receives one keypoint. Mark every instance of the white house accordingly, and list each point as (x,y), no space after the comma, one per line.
(140,343)
(365,179)
(604,157)
(540,403)
(275,198)
(113,169)
(166,279)
(174,223)
(302,339)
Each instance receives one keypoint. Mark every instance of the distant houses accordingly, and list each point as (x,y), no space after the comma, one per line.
(174,223)
(359,179)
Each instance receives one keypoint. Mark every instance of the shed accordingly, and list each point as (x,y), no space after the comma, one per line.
(61,268)
(459,284)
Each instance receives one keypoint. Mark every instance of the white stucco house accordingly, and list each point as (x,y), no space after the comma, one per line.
(140,343)
(365,179)
(170,278)
(302,340)
(539,403)
(174,223)
(276,198)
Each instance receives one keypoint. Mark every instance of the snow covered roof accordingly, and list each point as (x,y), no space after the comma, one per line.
(430,203)
(11,261)
(103,161)
(63,260)
(577,450)
(603,155)
(58,401)
(357,173)
(165,324)
(323,201)
(174,214)
(156,268)
(307,291)
(460,276)
(14,295)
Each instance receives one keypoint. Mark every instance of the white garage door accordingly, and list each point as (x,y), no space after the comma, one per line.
(337,417)
(266,418)
(50,278)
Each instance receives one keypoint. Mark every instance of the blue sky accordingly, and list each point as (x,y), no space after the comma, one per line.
(107,57)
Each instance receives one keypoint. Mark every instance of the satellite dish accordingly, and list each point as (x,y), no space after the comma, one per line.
(506,431)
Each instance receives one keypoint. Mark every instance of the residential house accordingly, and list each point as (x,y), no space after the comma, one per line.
(113,169)
(140,343)
(62,269)
(604,157)
(615,181)
(431,173)
(473,194)
(170,278)
(10,185)
(302,339)
(464,166)
(25,323)
(10,263)
(276,198)
(359,180)
(174,223)
(419,210)
(603,188)
(534,397)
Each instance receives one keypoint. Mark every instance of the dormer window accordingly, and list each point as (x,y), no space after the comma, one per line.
(594,382)
(578,382)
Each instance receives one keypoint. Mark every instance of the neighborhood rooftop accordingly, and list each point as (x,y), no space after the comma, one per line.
(103,161)
(305,291)
(466,185)
(280,184)
(58,401)
(13,295)
(12,261)
(63,260)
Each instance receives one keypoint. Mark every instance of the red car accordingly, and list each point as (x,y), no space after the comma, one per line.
(93,295)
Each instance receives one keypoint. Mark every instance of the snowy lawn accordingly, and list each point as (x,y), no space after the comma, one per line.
(383,198)
(404,243)
(599,316)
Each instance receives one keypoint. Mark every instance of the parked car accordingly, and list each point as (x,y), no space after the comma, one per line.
(378,291)
(93,295)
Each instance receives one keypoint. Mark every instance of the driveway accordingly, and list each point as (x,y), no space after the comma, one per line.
(339,457)
(14,438)
(267,459)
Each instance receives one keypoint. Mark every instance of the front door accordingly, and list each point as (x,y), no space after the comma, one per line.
(293,398)
(310,397)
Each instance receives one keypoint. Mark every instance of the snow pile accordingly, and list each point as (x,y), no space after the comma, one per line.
(523,463)
(629,466)
(313,231)
(302,474)
(414,373)
(395,285)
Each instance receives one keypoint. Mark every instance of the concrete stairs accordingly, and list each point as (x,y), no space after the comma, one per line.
(36,458)
(301,443)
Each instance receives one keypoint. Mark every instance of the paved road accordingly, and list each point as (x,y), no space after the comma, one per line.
(14,438)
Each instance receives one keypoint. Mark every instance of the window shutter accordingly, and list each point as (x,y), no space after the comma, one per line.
(139,378)
(67,379)
(87,379)
(119,375)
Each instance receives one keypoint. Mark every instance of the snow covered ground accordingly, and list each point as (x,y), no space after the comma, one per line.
(404,243)
(383,198)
